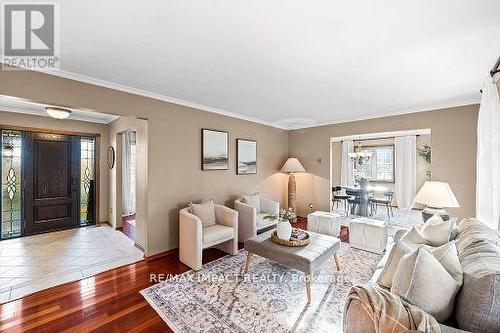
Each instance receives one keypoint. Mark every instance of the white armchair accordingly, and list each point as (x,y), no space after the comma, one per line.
(193,238)
(251,221)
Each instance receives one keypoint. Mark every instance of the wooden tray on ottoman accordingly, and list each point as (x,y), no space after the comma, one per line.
(291,242)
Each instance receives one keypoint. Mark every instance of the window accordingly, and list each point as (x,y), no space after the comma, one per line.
(11,184)
(87,180)
(380,167)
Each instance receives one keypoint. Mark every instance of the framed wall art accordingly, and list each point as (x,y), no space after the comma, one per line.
(214,150)
(246,151)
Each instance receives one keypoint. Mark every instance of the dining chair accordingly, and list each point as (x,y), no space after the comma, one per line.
(353,201)
(386,201)
(339,196)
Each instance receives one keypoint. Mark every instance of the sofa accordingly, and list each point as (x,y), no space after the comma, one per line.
(251,212)
(477,304)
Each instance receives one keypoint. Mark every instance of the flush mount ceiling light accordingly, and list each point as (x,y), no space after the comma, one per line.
(57,112)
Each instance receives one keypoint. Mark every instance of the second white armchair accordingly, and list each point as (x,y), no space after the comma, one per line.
(251,212)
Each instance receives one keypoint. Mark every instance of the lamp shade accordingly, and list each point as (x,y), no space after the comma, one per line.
(437,194)
(292,165)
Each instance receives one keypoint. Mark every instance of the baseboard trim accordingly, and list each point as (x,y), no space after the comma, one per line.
(161,254)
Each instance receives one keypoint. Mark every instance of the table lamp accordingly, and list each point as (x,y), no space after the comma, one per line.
(436,196)
(291,166)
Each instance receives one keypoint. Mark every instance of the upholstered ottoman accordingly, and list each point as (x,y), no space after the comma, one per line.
(303,258)
(324,223)
(367,234)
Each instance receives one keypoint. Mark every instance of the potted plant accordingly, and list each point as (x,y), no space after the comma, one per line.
(425,153)
(283,227)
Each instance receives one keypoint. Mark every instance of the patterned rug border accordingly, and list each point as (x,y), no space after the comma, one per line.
(170,324)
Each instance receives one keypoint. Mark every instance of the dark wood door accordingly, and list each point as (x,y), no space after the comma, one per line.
(52,181)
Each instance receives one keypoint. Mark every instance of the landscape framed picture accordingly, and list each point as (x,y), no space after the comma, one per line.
(246,151)
(214,150)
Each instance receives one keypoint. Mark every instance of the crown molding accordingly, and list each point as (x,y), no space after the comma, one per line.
(395,113)
(152,95)
(174,100)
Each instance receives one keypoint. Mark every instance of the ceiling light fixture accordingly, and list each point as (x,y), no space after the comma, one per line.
(57,112)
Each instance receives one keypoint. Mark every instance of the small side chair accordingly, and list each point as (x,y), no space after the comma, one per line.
(216,226)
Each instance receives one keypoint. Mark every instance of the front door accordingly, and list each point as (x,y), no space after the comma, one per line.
(52,182)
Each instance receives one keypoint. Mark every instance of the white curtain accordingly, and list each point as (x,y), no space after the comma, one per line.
(488,157)
(406,170)
(347,174)
(128,173)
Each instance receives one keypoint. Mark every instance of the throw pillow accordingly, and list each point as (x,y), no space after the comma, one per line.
(447,255)
(205,212)
(421,280)
(413,237)
(252,200)
(436,231)
(398,250)
(454,229)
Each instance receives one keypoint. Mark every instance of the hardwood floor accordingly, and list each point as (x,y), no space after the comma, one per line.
(107,302)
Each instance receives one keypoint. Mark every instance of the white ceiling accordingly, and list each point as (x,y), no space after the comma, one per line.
(310,61)
(17,105)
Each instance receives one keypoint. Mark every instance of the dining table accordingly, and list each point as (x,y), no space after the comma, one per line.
(363,193)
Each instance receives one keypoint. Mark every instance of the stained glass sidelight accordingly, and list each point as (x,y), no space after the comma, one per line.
(87,180)
(11,184)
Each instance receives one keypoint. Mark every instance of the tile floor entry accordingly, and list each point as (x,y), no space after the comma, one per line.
(33,263)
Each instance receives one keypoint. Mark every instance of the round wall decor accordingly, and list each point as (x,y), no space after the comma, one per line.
(111,157)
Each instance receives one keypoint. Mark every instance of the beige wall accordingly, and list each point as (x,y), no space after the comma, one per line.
(453,148)
(27,120)
(174,148)
(336,163)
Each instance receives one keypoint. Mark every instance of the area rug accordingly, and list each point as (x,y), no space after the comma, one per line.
(270,298)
